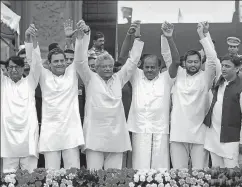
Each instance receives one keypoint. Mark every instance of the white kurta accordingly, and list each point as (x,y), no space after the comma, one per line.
(61,126)
(19,124)
(105,127)
(191,102)
(150,107)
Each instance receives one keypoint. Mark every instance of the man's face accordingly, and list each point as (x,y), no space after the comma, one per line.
(193,64)
(99,43)
(69,58)
(233,50)
(91,64)
(105,69)
(151,68)
(15,72)
(229,70)
(58,64)
(26,65)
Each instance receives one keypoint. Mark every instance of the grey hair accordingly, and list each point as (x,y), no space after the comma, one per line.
(102,57)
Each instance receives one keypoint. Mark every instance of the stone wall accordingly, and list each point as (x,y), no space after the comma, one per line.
(48,17)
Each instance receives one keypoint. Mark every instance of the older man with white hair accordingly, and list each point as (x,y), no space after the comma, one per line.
(105,129)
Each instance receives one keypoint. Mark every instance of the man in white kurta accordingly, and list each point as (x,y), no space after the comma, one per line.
(105,129)
(222,154)
(61,128)
(149,120)
(190,104)
(19,124)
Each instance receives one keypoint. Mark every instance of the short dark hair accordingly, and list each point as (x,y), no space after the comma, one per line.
(236,60)
(21,52)
(16,60)
(90,58)
(154,57)
(55,51)
(192,52)
(53,46)
(69,51)
(98,35)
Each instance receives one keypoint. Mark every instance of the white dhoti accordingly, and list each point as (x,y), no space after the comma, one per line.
(150,151)
(181,152)
(25,163)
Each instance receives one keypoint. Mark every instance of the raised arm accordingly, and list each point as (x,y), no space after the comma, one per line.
(131,64)
(207,34)
(210,65)
(33,55)
(81,55)
(167,29)
(128,41)
(165,51)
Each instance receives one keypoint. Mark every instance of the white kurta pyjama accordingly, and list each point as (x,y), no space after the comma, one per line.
(212,137)
(191,101)
(61,126)
(105,127)
(19,124)
(149,114)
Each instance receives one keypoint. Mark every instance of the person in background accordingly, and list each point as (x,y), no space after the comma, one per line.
(91,62)
(22,54)
(98,45)
(233,46)
(69,56)
(105,125)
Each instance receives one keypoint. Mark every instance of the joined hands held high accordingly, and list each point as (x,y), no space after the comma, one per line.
(82,29)
(31,33)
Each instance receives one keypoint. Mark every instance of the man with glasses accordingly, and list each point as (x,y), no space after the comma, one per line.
(19,124)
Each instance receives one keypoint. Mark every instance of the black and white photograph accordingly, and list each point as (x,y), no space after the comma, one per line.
(107,93)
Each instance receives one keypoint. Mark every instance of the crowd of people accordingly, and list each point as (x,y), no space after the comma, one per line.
(186,109)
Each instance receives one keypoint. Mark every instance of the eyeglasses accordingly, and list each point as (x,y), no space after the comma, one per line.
(17,68)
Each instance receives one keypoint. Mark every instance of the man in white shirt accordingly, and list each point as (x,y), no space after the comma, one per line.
(19,124)
(224,137)
(148,118)
(190,101)
(61,128)
(105,129)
